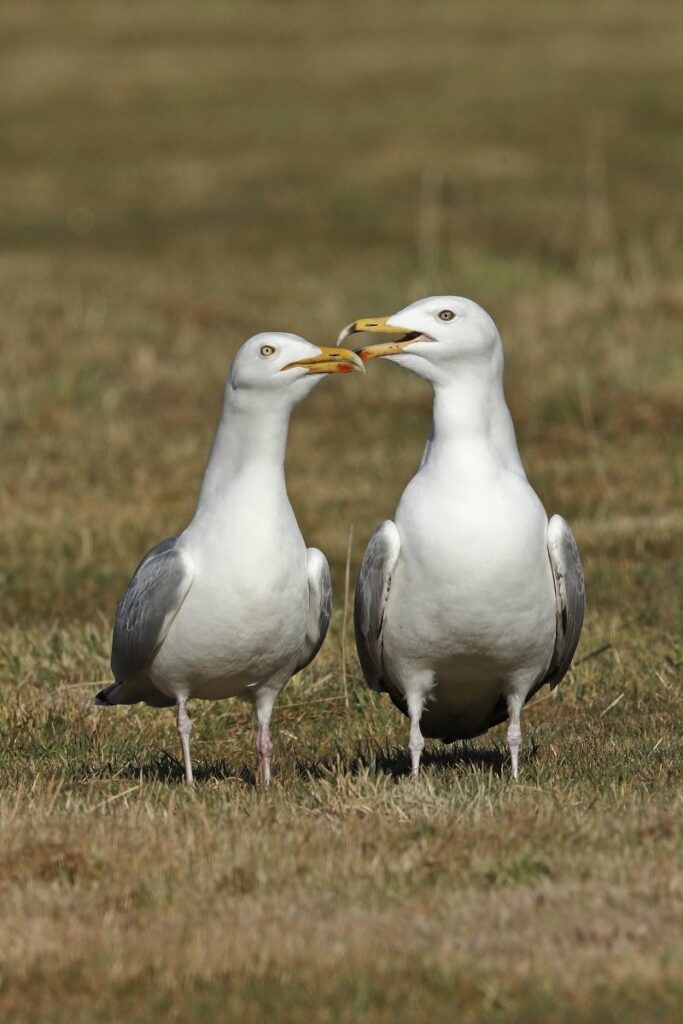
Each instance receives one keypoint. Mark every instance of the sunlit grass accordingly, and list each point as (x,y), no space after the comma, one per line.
(175,181)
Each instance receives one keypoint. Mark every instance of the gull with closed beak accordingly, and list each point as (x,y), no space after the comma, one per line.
(470,600)
(235,604)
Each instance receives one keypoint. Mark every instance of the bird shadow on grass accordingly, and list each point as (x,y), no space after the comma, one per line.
(378,760)
(395,761)
(167,768)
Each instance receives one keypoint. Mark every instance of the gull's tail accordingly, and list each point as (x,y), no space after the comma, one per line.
(106,698)
(133,692)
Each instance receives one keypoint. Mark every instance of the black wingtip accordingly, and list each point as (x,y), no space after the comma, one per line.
(102,699)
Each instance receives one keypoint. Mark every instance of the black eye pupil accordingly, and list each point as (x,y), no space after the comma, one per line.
(446,314)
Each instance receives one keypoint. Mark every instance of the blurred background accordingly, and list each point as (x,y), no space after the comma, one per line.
(176,177)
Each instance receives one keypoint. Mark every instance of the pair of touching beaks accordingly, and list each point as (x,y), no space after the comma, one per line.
(343,360)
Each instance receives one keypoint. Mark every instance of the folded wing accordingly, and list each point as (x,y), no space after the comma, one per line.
(372,592)
(319,606)
(570,597)
(144,615)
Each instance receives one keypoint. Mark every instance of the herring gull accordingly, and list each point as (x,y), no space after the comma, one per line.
(235,604)
(470,600)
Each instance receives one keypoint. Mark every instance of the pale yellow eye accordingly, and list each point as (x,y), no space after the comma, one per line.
(267,350)
(446,315)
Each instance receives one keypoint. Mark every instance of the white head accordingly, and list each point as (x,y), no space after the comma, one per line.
(278,364)
(438,337)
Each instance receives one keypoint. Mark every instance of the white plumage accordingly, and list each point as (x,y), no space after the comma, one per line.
(236,603)
(469,600)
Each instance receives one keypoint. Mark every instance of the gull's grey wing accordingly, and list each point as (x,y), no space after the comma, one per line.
(570,597)
(319,606)
(147,609)
(372,592)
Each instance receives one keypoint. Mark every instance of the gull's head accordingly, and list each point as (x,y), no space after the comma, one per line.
(433,337)
(285,364)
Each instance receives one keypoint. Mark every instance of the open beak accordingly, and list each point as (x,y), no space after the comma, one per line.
(379,325)
(330,360)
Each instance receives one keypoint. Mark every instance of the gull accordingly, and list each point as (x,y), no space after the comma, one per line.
(470,600)
(235,604)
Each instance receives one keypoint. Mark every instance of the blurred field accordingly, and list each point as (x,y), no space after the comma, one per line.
(174,178)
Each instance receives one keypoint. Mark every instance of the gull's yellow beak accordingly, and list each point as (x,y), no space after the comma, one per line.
(379,325)
(330,360)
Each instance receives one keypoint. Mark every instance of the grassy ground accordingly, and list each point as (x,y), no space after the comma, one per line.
(175,179)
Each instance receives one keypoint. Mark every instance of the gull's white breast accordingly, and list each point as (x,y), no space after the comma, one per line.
(243,621)
(472,596)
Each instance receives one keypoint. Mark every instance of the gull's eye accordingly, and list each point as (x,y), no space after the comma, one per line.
(446,315)
(267,350)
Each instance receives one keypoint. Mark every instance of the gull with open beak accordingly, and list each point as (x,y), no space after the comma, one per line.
(470,600)
(235,604)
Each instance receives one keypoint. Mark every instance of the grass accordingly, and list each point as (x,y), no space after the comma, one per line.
(175,181)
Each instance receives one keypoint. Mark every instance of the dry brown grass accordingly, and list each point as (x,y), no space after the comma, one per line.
(175,180)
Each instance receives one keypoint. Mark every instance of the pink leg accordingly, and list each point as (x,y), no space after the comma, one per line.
(514,735)
(264,747)
(184,730)
(416,742)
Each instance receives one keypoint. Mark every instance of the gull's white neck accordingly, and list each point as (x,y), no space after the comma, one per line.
(250,445)
(472,425)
